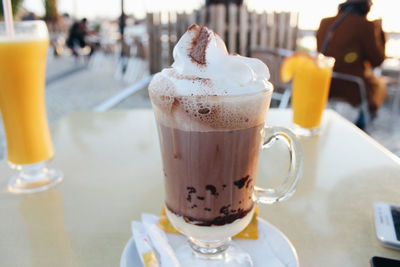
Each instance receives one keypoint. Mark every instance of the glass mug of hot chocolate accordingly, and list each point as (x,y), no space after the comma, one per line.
(210,109)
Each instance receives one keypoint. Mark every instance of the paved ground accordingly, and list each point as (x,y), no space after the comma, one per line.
(73,85)
(78,86)
(385,128)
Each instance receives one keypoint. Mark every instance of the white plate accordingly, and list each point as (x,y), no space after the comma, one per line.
(272,248)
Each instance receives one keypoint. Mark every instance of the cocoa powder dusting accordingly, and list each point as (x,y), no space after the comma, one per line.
(199,45)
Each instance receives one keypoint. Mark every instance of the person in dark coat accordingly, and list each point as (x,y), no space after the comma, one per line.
(358,45)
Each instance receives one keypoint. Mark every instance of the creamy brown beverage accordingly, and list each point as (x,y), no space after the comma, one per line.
(218,190)
(210,108)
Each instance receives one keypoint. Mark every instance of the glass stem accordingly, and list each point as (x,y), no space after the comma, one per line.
(209,249)
(33,178)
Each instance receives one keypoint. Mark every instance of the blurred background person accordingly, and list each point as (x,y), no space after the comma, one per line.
(358,45)
(30,16)
(77,37)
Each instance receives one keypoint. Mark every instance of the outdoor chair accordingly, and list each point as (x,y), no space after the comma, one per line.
(364,117)
(273,57)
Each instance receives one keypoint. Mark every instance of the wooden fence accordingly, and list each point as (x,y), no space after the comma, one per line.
(241,29)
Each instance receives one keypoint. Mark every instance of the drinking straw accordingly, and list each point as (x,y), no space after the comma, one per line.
(8,18)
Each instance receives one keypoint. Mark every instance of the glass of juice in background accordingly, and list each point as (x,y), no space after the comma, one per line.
(22,105)
(311,78)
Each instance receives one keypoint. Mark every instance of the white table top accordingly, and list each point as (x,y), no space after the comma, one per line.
(113,173)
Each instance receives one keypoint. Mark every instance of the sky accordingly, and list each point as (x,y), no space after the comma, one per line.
(311,11)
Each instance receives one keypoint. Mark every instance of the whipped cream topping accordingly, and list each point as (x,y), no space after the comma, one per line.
(203,66)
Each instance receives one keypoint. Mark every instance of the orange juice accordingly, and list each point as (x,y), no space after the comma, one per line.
(22,74)
(311,78)
(310,93)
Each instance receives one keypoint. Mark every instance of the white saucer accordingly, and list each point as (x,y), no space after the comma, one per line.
(272,248)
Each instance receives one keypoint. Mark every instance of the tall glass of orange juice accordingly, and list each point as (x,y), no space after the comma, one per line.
(22,105)
(311,78)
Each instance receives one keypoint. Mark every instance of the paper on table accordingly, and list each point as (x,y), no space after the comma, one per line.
(144,248)
(159,241)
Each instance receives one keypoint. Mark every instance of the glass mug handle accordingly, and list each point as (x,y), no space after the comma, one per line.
(289,184)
